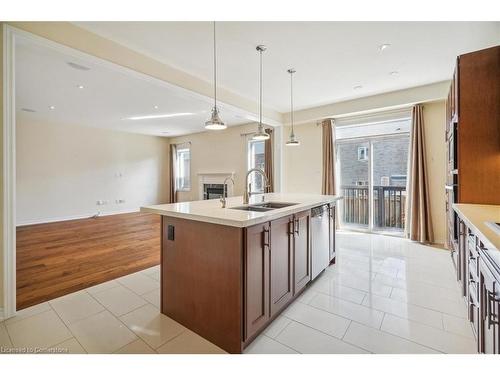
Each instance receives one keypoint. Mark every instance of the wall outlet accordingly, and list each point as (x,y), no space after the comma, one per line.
(118,201)
(101,202)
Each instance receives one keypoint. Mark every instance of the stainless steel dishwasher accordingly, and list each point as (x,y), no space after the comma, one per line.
(320,242)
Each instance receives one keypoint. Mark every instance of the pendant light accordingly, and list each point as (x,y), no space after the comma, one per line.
(215,122)
(292,141)
(261,135)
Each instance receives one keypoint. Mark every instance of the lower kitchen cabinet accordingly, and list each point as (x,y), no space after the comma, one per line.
(256,282)
(489,324)
(479,277)
(281,255)
(277,268)
(302,250)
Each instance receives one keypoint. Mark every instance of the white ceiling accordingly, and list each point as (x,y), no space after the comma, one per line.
(110,95)
(331,58)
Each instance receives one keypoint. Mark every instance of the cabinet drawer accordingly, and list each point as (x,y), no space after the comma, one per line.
(474,317)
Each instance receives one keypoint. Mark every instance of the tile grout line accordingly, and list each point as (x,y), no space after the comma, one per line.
(173,338)
(415,342)
(320,331)
(69,329)
(384,312)
(138,338)
(345,333)
(8,335)
(279,342)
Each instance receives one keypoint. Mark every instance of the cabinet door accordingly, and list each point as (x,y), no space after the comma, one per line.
(331,210)
(302,250)
(490,305)
(281,256)
(256,278)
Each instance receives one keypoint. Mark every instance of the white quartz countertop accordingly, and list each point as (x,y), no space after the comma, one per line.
(210,211)
(476,216)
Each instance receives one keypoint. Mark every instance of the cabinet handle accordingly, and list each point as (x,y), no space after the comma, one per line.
(330,211)
(297,227)
(265,238)
(490,309)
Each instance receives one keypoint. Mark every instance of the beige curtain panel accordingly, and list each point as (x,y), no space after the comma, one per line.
(173,175)
(268,160)
(419,223)
(328,180)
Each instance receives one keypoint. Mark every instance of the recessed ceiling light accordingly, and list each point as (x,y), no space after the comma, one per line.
(159,116)
(394,73)
(357,87)
(80,87)
(52,107)
(155,107)
(383,46)
(28,110)
(77,66)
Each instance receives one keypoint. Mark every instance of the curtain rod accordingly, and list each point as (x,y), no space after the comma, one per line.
(182,143)
(369,115)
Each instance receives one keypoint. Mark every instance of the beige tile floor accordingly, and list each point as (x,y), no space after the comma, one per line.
(384,295)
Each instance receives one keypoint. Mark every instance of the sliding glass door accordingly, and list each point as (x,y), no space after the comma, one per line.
(390,162)
(354,171)
(372,173)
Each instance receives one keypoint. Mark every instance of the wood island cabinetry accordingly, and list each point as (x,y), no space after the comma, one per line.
(277,268)
(227,274)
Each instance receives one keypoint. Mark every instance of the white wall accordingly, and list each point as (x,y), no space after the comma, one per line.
(63,170)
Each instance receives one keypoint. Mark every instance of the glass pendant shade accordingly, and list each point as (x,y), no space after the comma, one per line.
(215,122)
(292,141)
(261,135)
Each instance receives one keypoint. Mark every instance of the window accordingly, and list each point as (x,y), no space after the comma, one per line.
(362,153)
(256,158)
(183,169)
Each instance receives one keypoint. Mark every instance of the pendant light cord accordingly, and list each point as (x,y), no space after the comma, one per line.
(260,96)
(215,70)
(291,99)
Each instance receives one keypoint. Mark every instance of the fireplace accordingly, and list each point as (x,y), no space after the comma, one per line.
(211,185)
(213,191)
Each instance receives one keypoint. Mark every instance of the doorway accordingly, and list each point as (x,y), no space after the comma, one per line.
(372,170)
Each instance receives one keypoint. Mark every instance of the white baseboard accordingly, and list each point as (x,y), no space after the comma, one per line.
(75,217)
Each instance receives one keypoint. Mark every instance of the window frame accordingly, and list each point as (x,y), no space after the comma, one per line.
(178,152)
(250,165)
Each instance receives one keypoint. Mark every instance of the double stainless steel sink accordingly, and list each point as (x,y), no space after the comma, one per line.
(264,207)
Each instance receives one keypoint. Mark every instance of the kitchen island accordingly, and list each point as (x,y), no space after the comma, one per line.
(226,273)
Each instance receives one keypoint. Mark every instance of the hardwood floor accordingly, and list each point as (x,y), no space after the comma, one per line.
(55,259)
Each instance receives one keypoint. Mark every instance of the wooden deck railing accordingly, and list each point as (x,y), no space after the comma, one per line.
(388,204)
